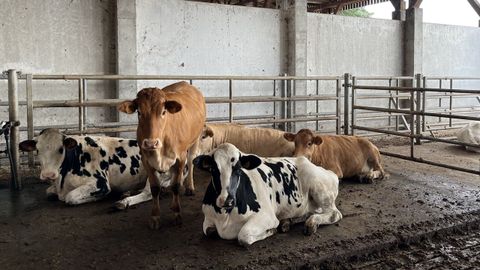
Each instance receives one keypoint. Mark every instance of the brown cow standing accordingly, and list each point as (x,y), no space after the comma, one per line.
(170,121)
(346,156)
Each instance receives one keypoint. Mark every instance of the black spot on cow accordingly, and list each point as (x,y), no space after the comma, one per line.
(114,160)
(71,163)
(102,152)
(132,143)
(277,197)
(263,175)
(86,173)
(120,141)
(104,165)
(286,175)
(298,205)
(60,150)
(276,169)
(102,187)
(91,142)
(120,151)
(85,158)
(245,195)
(134,165)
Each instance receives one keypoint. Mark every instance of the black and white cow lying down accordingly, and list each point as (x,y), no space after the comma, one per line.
(248,196)
(86,168)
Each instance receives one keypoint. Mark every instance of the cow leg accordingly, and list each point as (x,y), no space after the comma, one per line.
(177,177)
(259,227)
(52,193)
(154,183)
(189,187)
(86,193)
(327,216)
(209,228)
(143,196)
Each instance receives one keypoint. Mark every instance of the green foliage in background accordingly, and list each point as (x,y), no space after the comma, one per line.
(356,12)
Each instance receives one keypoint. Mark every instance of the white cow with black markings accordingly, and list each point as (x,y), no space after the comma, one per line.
(86,168)
(248,196)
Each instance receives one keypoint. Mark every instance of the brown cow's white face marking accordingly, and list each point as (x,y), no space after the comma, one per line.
(305,142)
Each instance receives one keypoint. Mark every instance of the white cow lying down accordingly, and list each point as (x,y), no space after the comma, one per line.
(248,196)
(470,134)
(86,168)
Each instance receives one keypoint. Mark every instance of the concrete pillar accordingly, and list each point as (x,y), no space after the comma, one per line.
(398,15)
(126,50)
(296,15)
(413,42)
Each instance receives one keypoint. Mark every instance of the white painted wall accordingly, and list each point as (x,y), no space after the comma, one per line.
(53,37)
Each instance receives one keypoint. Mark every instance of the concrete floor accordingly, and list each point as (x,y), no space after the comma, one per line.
(415,201)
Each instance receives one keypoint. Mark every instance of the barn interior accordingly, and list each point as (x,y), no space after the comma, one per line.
(405,84)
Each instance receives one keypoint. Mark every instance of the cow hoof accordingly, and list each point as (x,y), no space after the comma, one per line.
(155,222)
(211,232)
(121,206)
(284,226)
(244,243)
(52,197)
(178,219)
(309,230)
(189,192)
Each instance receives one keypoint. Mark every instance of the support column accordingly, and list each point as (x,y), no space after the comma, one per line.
(126,50)
(399,13)
(297,53)
(413,50)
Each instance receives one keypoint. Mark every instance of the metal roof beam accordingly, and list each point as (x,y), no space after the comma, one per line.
(475,5)
(414,3)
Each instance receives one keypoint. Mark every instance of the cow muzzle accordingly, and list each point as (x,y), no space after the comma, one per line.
(46,176)
(151,144)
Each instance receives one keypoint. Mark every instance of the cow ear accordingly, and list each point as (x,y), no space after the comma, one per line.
(70,143)
(128,106)
(203,162)
(289,136)
(250,162)
(172,106)
(317,140)
(28,145)
(207,132)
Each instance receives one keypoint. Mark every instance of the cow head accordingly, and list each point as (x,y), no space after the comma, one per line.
(225,165)
(304,141)
(153,109)
(51,146)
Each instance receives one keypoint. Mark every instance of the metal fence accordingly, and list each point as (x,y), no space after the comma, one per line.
(405,112)
(416,113)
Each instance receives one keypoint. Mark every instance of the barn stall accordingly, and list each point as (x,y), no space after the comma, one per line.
(430,199)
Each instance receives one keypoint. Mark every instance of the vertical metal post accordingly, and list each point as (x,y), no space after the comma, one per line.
(424,103)
(81,119)
(289,105)
(412,121)
(283,104)
(30,130)
(397,105)
(337,109)
(353,104)
(316,102)
(230,97)
(346,111)
(16,182)
(390,103)
(84,109)
(440,99)
(275,125)
(418,132)
(450,103)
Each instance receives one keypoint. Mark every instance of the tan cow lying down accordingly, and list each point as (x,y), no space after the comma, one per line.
(470,134)
(265,142)
(347,156)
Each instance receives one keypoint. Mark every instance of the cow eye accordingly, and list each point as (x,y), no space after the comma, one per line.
(60,150)
(163,113)
(309,144)
(232,159)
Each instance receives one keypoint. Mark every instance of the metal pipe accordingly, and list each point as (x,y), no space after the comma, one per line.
(81,123)
(230,105)
(316,107)
(30,128)
(346,110)
(396,133)
(353,104)
(16,182)
(424,103)
(397,102)
(418,109)
(450,102)
(337,110)
(371,87)
(412,123)
(420,160)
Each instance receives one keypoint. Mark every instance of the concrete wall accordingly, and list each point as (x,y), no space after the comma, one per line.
(53,37)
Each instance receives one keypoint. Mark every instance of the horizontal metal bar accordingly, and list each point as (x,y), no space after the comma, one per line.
(371,87)
(430,138)
(174,77)
(421,160)
(449,78)
(376,109)
(375,78)
(396,133)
